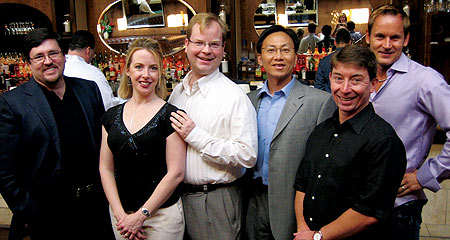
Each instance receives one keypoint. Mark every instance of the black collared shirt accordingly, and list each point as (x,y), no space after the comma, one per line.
(358,164)
(79,161)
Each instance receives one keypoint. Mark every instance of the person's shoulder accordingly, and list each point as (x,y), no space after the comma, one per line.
(381,127)
(16,92)
(171,108)
(423,75)
(82,83)
(312,92)
(227,85)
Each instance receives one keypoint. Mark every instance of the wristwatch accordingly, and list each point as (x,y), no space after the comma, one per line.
(317,235)
(146,212)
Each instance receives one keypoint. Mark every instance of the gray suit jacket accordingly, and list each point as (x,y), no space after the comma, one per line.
(304,109)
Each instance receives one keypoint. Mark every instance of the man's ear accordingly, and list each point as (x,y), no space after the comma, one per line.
(367,37)
(405,43)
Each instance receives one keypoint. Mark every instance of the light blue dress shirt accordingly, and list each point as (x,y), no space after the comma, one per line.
(269,113)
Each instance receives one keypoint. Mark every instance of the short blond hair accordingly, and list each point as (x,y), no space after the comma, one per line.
(392,10)
(204,20)
(125,89)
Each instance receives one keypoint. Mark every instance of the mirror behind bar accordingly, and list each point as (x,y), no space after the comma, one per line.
(170,38)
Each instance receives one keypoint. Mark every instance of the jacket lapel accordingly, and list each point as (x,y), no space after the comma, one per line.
(39,104)
(85,103)
(292,105)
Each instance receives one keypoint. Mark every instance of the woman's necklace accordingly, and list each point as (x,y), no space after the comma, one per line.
(137,110)
(382,80)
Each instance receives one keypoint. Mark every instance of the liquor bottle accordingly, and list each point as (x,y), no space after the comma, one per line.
(309,52)
(180,68)
(251,70)
(112,69)
(239,75)
(311,64)
(316,57)
(303,73)
(173,69)
(224,65)
(251,53)
(244,51)
(264,74)
(244,70)
(324,52)
(222,13)
(258,72)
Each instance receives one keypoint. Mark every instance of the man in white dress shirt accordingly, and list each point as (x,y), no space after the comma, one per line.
(81,52)
(220,128)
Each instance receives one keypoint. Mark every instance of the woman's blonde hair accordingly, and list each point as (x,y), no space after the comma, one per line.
(125,89)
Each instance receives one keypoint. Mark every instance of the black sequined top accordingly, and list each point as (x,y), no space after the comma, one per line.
(139,158)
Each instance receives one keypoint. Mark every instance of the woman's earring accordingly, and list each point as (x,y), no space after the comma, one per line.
(129,81)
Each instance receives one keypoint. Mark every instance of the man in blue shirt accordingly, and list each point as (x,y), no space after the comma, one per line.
(287,113)
(323,70)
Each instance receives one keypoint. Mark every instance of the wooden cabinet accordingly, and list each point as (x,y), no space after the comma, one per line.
(437,42)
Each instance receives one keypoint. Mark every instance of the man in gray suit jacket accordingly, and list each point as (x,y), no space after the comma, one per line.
(288,111)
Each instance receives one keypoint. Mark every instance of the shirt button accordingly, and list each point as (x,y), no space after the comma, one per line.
(327,155)
(335,135)
(319,176)
(313,198)
(310,219)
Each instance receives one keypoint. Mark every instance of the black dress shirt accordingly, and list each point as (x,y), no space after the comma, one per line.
(79,159)
(358,164)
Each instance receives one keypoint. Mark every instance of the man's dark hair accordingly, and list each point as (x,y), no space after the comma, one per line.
(82,39)
(326,30)
(351,26)
(357,55)
(274,29)
(342,36)
(312,27)
(36,37)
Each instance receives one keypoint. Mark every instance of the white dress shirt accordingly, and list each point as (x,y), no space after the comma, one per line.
(224,141)
(77,67)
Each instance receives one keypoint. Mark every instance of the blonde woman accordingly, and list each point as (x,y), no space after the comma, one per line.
(142,158)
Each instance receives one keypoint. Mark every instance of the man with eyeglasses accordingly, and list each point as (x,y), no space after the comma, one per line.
(287,113)
(220,128)
(50,135)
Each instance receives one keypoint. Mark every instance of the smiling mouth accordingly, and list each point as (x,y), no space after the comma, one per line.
(144,83)
(206,59)
(278,65)
(49,69)
(346,99)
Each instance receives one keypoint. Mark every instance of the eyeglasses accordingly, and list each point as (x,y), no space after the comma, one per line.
(54,55)
(283,50)
(201,44)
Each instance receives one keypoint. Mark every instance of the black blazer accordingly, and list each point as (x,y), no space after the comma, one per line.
(30,152)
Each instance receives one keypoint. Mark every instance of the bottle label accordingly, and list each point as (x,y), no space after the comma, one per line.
(225,66)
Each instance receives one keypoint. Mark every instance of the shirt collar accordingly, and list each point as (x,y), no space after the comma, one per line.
(74,58)
(401,65)
(203,84)
(285,90)
(358,121)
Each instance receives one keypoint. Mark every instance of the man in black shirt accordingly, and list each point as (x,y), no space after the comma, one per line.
(354,162)
(50,135)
